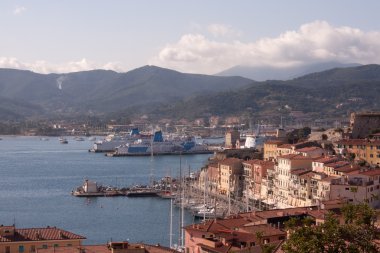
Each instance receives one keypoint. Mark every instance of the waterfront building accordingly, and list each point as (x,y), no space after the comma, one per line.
(213,177)
(231,171)
(254,172)
(30,240)
(287,164)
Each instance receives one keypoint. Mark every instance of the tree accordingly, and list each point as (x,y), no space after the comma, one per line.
(355,235)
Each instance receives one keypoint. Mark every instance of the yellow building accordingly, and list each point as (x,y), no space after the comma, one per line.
(360,149)
(29,240)
(231,171)
(373,152)
(270,149)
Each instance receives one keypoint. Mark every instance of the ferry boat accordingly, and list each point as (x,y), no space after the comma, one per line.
(112,141)
(159,146)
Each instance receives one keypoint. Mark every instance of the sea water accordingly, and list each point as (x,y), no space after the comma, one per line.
(37,177)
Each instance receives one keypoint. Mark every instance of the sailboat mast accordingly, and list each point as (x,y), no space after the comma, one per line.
(182,211)
(171,224)
(151,160)
(181,202)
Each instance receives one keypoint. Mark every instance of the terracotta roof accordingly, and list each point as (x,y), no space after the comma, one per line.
(371,172)
(327,159)
(337,164)
(231,161)
(330,178)
(267,230)
(346,168)
(318,214)
(295,157)
(278,212)
(259,162)
(287,146)
(299,171)
(221,249)
(308,149)
(41,234)
(258,248)
(103,249)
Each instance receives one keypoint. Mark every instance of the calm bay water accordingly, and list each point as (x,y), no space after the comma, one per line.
(36,178)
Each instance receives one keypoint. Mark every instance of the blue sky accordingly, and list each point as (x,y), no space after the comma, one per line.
(191,36)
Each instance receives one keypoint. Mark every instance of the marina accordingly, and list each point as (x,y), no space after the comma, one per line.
(36,178)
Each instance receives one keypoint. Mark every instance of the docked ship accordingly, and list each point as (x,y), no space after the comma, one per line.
(159,146)
(112,141)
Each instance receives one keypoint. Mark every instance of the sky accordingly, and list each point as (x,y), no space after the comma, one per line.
(197,36)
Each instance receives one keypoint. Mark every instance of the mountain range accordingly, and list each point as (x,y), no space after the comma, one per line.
(161,92)
(99,92)
(265,73)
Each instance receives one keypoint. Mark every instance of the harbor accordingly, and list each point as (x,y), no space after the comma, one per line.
(37,178)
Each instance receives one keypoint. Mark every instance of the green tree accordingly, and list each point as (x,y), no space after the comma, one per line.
(355,235)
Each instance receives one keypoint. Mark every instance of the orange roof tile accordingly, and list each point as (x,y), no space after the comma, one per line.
(40,234)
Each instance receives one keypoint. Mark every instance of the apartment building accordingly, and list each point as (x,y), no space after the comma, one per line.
(231,177)
(287,164)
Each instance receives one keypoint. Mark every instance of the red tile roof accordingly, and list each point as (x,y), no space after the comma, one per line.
(371,172)
(308,149)
(40,234)
(327,159)
(104,249)
(231,161)
(295,157)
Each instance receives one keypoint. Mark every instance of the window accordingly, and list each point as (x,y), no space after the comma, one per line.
(21,248)
(7,249)
(371,155)
(69,244)
(32,248)
(56,245)
(44,246)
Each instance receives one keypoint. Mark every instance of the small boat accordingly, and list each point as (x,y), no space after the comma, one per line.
(167,195)
(78,138)
(44,139)
(93,138)
(63,140)
(209,213)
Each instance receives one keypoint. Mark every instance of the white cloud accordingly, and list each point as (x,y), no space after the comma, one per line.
(18,10)
(46,67)
(313,42)
(220,30)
